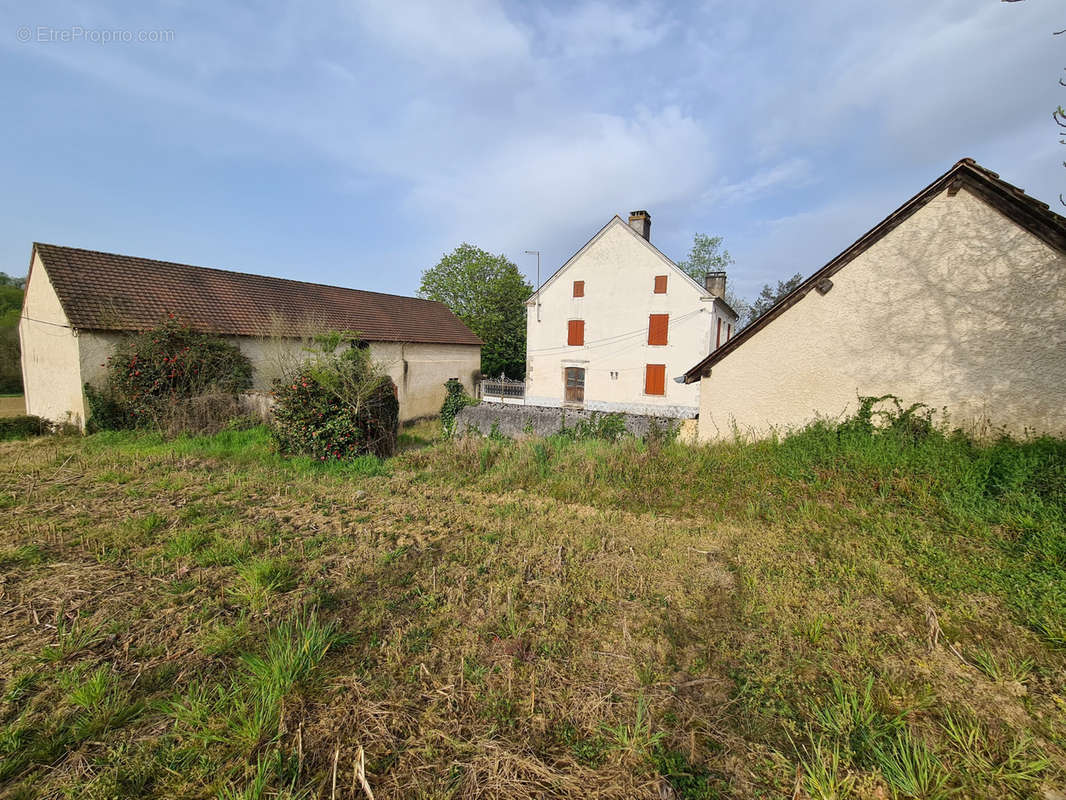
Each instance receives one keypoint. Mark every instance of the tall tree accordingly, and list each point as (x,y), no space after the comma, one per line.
(10,310)
(488,293)
(708,255)
(770,295)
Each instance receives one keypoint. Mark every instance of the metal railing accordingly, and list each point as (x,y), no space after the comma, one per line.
(503,389)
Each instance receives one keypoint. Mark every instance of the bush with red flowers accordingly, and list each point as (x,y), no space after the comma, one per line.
(335,407)
(154,377)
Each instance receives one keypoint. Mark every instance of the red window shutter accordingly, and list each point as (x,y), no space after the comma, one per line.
(579,288)
(575,332)
(718,336)
(729,331)
(658,325)
(655,379)
(660,284)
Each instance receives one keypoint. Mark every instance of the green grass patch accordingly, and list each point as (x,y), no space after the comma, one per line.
(855,612)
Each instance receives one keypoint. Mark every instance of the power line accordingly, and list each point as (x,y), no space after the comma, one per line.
(46,322)
(608,340)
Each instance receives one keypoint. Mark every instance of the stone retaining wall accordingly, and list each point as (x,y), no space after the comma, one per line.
(516,421)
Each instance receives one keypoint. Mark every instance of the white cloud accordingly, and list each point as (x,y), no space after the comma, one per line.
(784,175)
(553,186)
(518,128)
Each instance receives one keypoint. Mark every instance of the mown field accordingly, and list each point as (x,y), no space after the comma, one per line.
(11,405)
(837,614)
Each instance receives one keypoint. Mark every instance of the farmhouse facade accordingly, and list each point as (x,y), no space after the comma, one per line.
(80,303)
(956,300)
(616,326)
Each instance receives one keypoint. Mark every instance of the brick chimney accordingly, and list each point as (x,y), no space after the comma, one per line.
(640,221)
(714,283)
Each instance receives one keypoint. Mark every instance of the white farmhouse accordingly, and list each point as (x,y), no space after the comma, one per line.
(619,323)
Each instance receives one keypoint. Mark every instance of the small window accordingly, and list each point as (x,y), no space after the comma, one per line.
(655,379)
(575,332)
(579,288)
(729,331)
(660,284)
(614,375)
(657,328)
(718,336)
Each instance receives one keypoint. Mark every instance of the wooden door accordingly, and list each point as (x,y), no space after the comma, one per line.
(575,386)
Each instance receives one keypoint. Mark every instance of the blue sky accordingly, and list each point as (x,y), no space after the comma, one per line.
(354,143)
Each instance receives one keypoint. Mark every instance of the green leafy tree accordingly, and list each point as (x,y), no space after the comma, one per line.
(488,293)
(11,292)
(769,296)
(708,255)
(10,280)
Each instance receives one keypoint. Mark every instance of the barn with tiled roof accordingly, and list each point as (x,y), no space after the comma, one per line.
(80,303)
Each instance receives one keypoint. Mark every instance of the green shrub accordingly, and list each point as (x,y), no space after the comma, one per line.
(610,427)
(336,407)
(914,422)
(23,427)
(153,376)
(105,412)
(455,401)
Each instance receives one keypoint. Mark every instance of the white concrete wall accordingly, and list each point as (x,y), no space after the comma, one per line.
(619,271)
(51,369)
(418,370)
(958,308)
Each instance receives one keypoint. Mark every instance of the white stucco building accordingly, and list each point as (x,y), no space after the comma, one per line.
(80,303)
(956,300)
(617,325)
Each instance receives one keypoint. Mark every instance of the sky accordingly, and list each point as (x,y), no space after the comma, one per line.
(354,143)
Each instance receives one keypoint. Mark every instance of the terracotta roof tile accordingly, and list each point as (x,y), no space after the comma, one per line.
(104,291)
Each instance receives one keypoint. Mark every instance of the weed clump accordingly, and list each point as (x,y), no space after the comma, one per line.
(455,400)
(607,427)
(24,426)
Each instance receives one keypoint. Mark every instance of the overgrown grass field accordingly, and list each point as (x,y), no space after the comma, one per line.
(836,614)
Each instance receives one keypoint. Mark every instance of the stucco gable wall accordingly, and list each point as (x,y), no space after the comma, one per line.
(51,368)
(618,270)
(957,308)
(602,257)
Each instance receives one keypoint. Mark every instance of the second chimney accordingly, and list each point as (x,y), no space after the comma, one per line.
(640,221)
(714,283)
